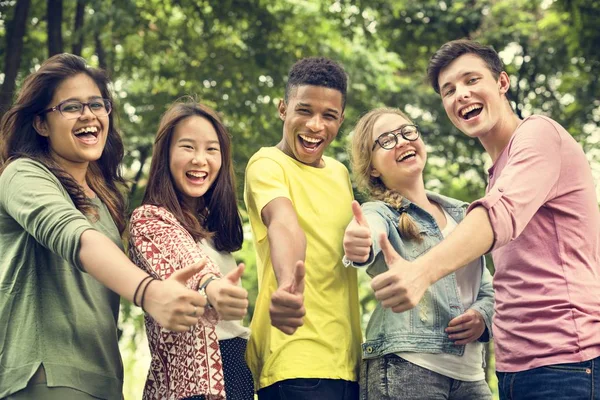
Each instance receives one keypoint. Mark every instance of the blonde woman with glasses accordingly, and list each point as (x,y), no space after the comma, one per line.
(434,350)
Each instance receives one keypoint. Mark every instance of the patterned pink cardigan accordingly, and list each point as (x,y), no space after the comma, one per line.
(187,363)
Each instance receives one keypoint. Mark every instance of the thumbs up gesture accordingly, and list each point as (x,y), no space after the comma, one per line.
(228,298)
(403,285)
(357,238)
(287,302)
(172,304)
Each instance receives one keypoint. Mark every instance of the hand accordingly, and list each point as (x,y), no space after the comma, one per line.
(174,306)
(402,287)
(466,328)
(287,302)
(357,238)
(229,300)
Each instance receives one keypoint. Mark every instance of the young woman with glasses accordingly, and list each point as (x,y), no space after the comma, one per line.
(435,349)
(62,267)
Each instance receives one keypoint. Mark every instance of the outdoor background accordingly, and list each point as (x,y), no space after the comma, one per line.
(234,55)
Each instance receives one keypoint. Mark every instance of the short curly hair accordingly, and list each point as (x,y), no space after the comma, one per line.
(317,71)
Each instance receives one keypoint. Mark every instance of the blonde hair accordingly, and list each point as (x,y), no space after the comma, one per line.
(361,155)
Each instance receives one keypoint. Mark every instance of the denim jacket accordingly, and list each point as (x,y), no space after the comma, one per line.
(422,328)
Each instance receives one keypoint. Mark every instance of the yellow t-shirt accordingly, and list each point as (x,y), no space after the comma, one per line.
(328,344)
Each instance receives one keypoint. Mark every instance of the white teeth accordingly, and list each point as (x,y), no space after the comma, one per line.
(470,108)
(310,139)
(197,174)
(87,129)
(406,154)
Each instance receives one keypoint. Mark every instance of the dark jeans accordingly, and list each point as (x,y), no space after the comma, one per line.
(310,389)
(575,381)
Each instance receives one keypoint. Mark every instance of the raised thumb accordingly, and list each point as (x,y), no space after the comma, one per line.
(358,214)
(297,285)
(388,251)
(235,275)
(186,273)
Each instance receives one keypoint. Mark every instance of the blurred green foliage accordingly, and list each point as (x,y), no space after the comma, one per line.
(234,55)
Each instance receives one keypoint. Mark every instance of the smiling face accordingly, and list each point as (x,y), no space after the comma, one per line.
(74,143)
(311,120)
(474,100)
(194,157)
(401,164)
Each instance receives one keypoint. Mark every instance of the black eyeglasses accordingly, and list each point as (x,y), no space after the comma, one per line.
(389,140)
(73,109)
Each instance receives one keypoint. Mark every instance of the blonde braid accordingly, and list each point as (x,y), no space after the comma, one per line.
(406,225)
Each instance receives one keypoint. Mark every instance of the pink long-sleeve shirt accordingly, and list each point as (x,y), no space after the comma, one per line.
(546,222)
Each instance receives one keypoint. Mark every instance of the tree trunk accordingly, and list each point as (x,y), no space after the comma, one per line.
(145,152)
(100,52)
(14,45)
(78,43)
(54,17)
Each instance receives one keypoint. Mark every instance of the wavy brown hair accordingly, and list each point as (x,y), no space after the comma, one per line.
(19,139)
(219,217)
(361,154)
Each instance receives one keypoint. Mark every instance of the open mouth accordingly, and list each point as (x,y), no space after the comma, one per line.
(406,155)
(310,144)
(87,134)
(197,177)
(471,111)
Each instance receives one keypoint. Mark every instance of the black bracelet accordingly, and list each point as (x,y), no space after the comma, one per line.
(144,293)
(138,289)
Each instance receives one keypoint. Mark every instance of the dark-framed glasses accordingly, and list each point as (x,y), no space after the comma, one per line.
(389,140)
(73,109)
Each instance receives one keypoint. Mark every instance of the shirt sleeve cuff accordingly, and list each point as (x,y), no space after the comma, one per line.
(490,202)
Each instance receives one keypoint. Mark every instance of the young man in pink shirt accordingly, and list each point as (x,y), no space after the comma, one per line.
(540,220)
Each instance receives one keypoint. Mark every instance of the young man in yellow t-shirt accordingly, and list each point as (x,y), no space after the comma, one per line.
(305,341)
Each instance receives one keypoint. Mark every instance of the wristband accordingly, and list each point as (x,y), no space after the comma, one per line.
(202,289)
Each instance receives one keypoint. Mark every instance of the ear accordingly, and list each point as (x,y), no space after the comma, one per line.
(503,82)
(375,173)
(282,108)
(41,127)
(342,118)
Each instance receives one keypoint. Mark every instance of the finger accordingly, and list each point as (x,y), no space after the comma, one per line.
(288,330)
(230,313)
(235,275)
(359,236)
(186,273)
(233,303)
(457,328)
(184,325)
(402,307)
(383,280)
(459,320)
(385,293)
(358,214)
(462,335)
(289,322)
(279,312)
(388,251)
(282,298)
(235,292)
(357,256)
(297,285)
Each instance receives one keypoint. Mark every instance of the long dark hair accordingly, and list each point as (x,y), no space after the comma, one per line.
(19,139)
(220,218)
